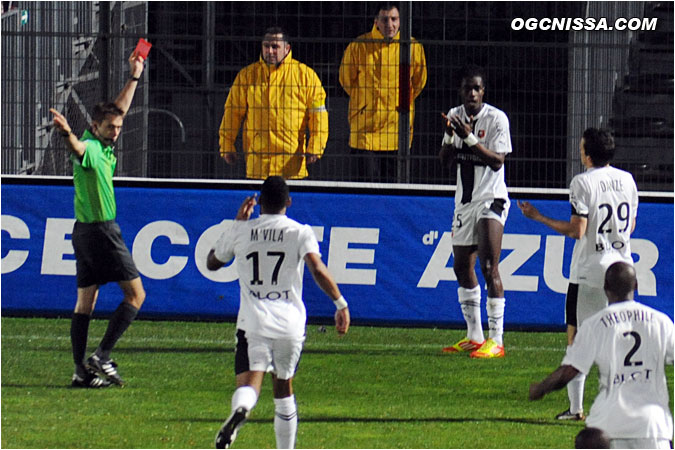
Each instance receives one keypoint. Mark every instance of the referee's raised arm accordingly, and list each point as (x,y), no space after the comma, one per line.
(126,95)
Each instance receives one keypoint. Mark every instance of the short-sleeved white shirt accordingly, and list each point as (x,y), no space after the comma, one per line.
(630,343)
(491,127)
(608,198)
(268,253)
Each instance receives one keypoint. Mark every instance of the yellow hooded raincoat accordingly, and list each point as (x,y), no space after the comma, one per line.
(279,103)
(369,73)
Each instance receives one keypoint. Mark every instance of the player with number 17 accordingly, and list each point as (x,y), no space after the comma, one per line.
(270,253)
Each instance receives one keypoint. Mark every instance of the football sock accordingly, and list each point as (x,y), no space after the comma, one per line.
(575,392)
(244,397)
(285,421)
(495,313)
(119,322)
(79,330)
(469,299)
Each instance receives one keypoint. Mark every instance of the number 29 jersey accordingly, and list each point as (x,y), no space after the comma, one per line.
(608,198)
(268,254)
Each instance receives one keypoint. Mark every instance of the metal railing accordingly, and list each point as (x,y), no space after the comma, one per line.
(70,55)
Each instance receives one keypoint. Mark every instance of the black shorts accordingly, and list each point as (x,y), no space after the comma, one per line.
(571,304)
(101,255)
(241,364)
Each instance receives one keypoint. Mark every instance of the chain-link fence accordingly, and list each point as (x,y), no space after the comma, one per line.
(552,84)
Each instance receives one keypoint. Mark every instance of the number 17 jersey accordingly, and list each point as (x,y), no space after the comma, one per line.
(608,198)
(269,256)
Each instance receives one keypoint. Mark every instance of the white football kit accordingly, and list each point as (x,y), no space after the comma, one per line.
(475,180)
(269,254)
(630,343)
(608,198)
(481,192)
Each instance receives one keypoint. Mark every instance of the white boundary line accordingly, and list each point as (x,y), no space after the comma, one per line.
(308,345)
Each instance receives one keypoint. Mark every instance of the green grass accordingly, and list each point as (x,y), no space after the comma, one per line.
(374,388)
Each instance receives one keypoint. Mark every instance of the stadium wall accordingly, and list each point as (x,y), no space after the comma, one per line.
(388,247)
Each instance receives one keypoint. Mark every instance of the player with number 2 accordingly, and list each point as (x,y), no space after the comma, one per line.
(604,209)
(631,343)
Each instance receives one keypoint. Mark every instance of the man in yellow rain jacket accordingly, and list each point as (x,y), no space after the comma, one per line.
(280,98)
(369,73)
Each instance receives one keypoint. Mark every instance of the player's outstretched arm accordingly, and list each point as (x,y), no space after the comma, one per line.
(76,146)
(555,381)
(575,228)
(325,281)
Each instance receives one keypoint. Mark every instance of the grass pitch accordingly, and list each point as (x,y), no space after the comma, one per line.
(374,388)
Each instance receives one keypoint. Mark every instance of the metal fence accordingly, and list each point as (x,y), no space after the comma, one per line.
(551,84)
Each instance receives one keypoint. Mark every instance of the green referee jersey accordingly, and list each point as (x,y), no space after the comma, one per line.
(92,177)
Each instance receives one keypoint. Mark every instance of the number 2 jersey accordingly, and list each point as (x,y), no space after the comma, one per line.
(608,198)
(630,343)
(268,253)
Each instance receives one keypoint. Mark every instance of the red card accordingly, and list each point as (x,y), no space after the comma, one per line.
(143,48)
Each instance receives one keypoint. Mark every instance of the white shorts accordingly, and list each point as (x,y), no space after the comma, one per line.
(581,302)
(261,354)
(467,215)
(639,443)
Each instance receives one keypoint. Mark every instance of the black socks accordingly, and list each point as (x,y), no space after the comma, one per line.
(119,322)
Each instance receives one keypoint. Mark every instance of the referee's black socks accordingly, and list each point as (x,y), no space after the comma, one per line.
(119,322)
(79,330)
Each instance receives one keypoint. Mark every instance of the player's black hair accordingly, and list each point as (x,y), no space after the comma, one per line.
(621,280)
(472,70)
(385,6)
(278,30)
(103,109)
(274,194)
(591,437)
(599,145)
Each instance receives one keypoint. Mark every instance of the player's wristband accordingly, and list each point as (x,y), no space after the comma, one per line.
(65,134)
(447,139)
(471,140)
(340,303)
(135,78)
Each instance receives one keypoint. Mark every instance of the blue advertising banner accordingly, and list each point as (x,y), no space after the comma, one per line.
(390,254)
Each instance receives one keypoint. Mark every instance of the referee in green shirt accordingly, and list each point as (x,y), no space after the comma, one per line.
(100,252)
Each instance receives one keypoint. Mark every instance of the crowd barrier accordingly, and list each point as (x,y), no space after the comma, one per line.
(390,251)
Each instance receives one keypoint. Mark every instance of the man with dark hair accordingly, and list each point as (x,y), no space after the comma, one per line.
(369,73)
(590,437)
(631,343)
(477,137)
(604,203)
(270,253)
(599,146)
(280,99)
(100,252)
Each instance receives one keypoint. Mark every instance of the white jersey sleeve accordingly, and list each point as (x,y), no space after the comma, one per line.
(581,354)
(308,242)
(579,196)
(499,139)
(670,339)
(224,248)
